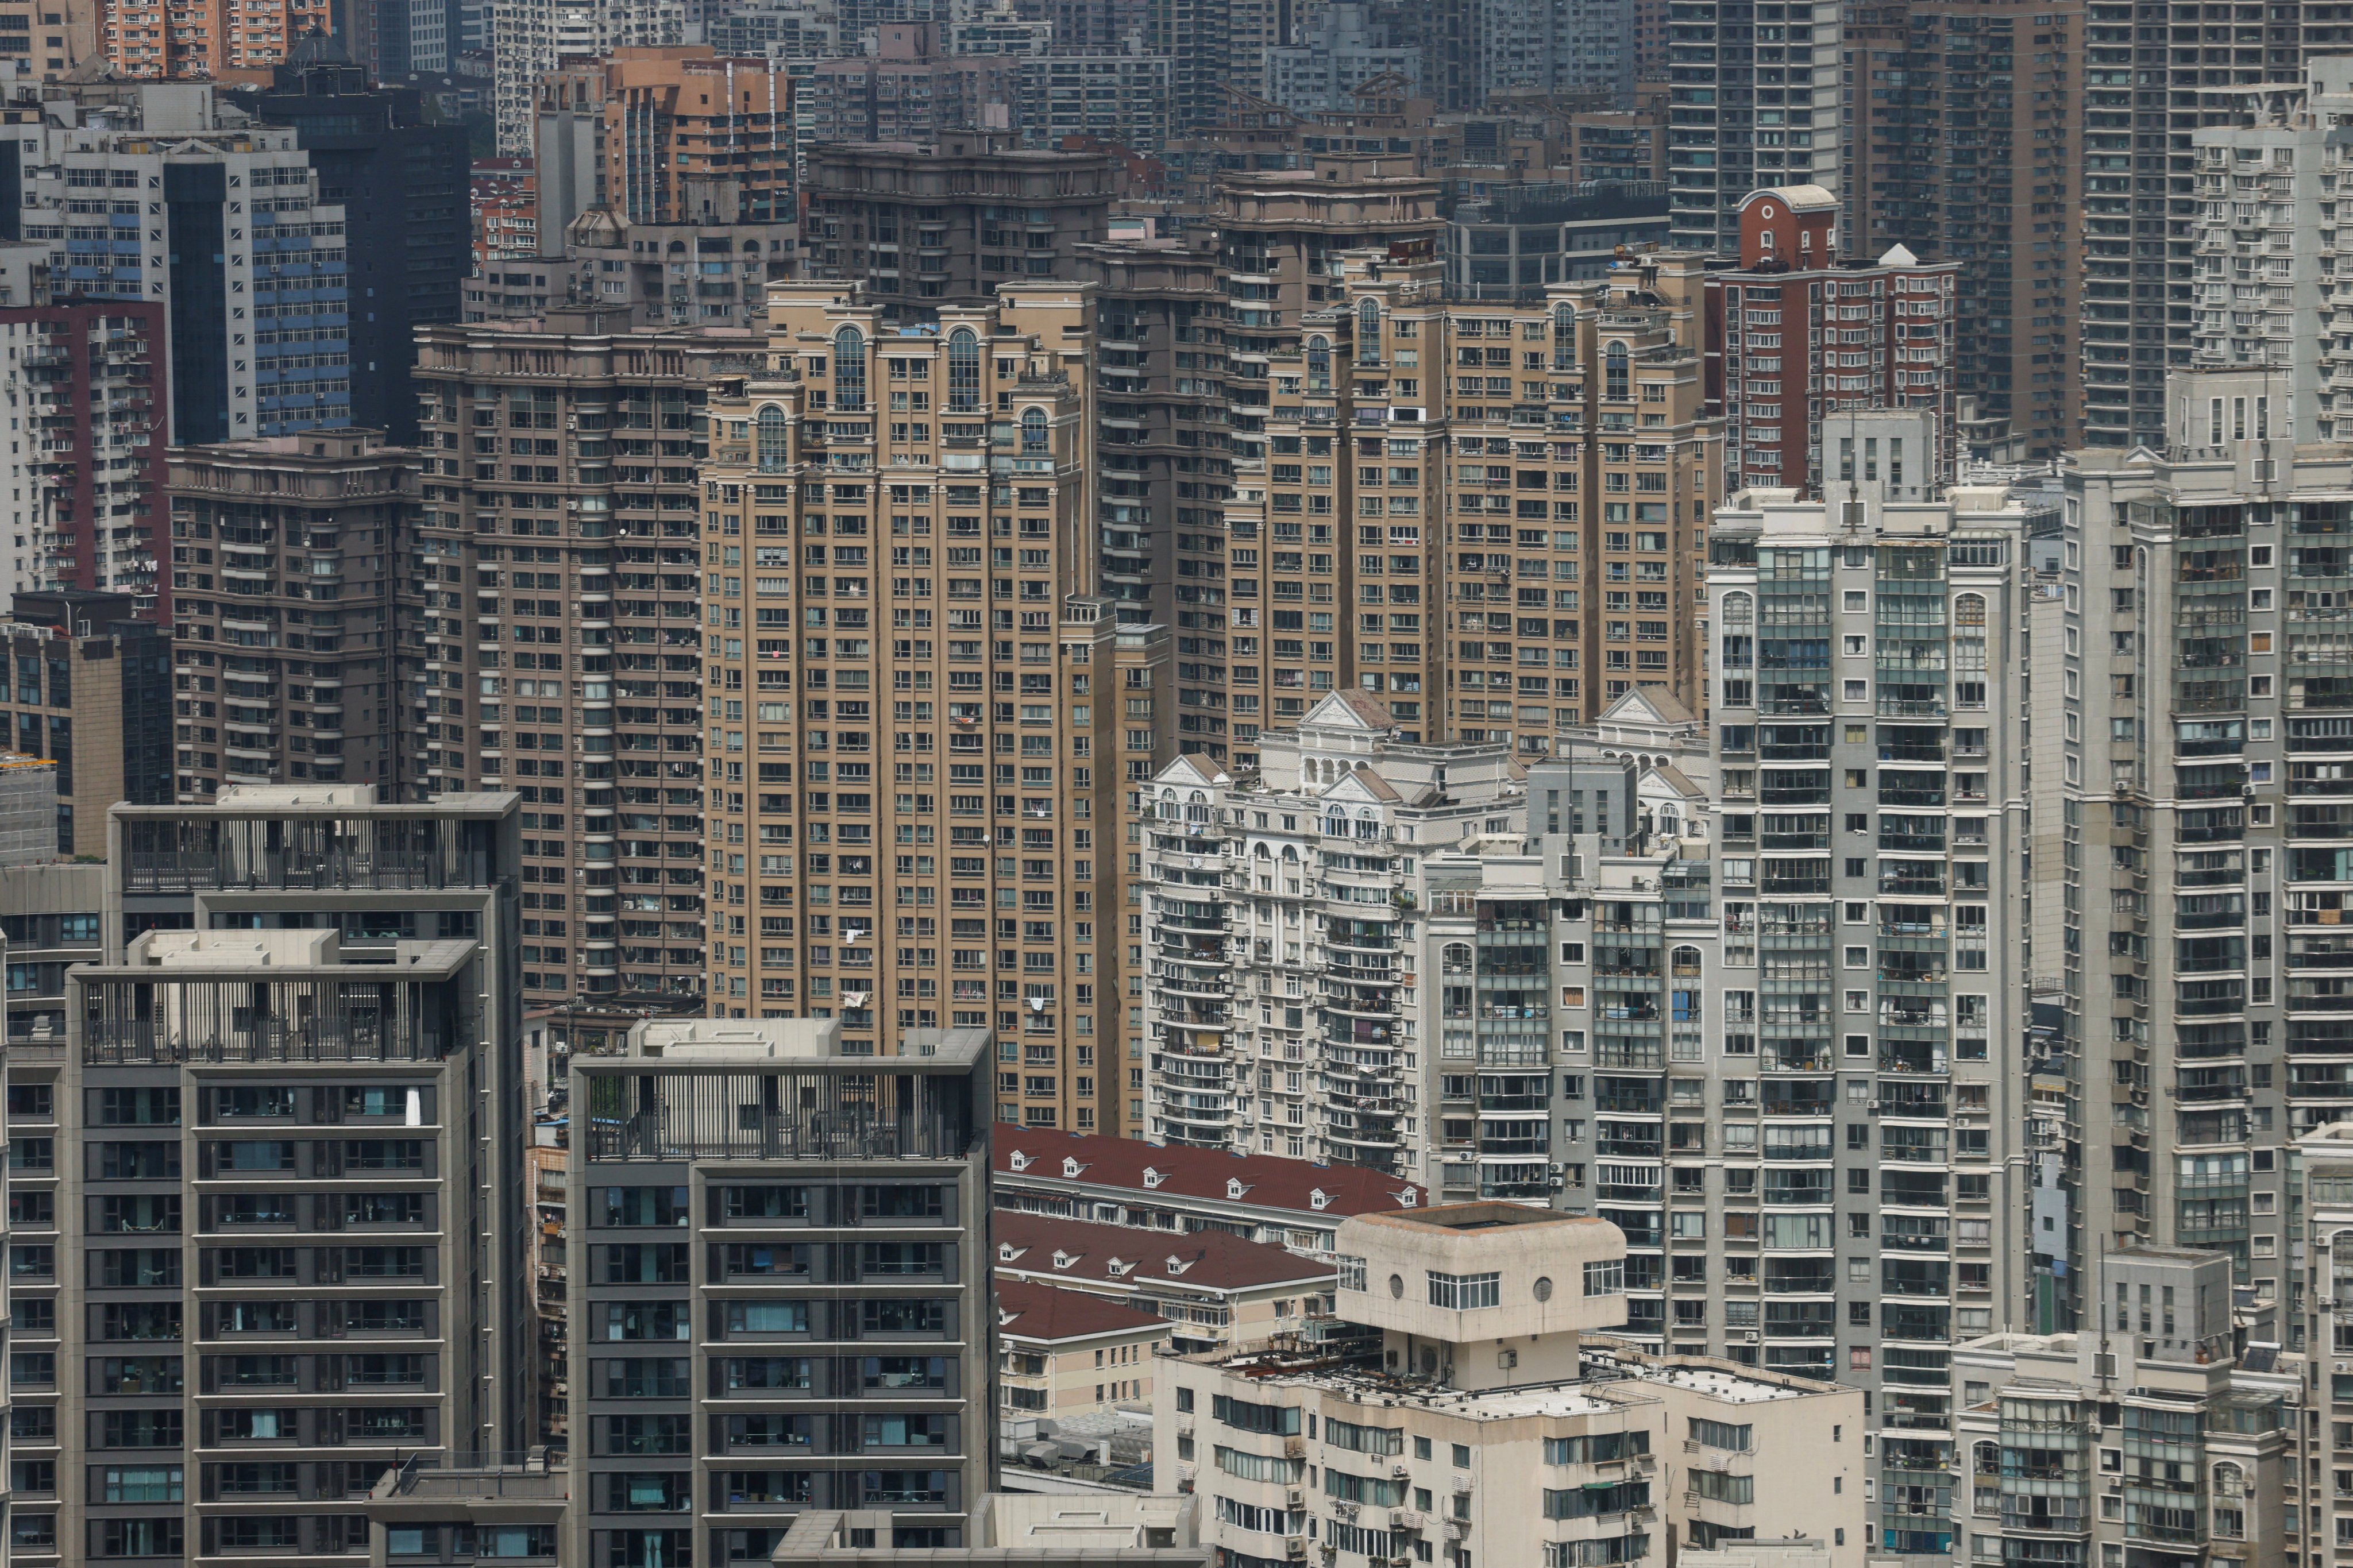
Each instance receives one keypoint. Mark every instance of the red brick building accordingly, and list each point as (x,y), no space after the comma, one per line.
(1796,333)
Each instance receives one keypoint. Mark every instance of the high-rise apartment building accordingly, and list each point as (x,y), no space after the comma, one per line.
(324,1098)
(1580,446)
(402,182)
(2192,720)
(944,224)
(530,38)
(286,553)
(1959,147)
(256,309)
(1279,914)
(911,89)
(2263,263)
(1470,1394)
(1869,806)
(713,273)
(83,501)
(919,830)
(783,1286)
(548,611)
(1555,46)
(2152,80)
(644,131)
(1799,338)
(208,41)
(92,692)
(1755,102)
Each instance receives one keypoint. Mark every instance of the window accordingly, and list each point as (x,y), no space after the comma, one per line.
(1352,1272)
(775,448)
(1282,1420)
(964,371)
(1719,1487)
(1720,1435)
(849,369)
(1464,1291)
(1606,1278)
(1364,1439)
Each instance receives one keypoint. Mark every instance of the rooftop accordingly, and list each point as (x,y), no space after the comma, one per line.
(1130,1258)
(1613,1375)
(794,1039)
(1031,1154)
(1046,1313)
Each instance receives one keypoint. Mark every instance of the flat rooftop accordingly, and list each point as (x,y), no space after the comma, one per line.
(722,1040)
(1615,1377)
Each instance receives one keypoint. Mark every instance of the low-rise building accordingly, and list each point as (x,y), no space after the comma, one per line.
(1217,1290)
(1123,1180)
(1012,1529)
(2158,1428)
(1067,1353)
(1479,1421)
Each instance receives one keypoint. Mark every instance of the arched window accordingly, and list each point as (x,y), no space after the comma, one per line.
(1196,807)
(1454,958)
(1319,364)
(775,446)
(1969,651)
(849,369)
(1336,826)
(1683,963)
(1617,381)
(1670,821)
(1564,336)
(964,371)
(1033,431)
(1368,331)
(1738,616)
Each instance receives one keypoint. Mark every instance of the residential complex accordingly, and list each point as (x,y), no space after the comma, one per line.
(1799,338)
(317,989)
(989,845)
(782,1288)
(549,635)
(1756,102)
(637,130)
(257,326)
(1483,1410)
(285,552)
(93,693)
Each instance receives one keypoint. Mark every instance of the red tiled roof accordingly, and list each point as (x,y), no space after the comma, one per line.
(1131,1258)
(1032,1311)
(1267,1181)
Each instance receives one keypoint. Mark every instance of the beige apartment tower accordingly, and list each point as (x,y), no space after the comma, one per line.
(911,720)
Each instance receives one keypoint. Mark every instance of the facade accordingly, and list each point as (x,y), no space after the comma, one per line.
(908,89)
(1117,97)
(92,693)
(552,639)
(1555,46)
(962,451)
(1215,1289)
(283,284)
(505,199)
(288,672)
(1754,105)
(544,1166)
(929,228)
(1477,1407)
(2316,1306)
(528,39)
(2183,1430)
(84,500)
(1068,1353)
(1876,335)
(2192,719)
(402,182)
(208,41)
(2136,302)
(353,1298)
(1281,920)
(1014,1530)
(1352,43)
(638,132)
(784,1289)
(1951,152)
(683,275)
(2264,269)
(1177,1189)
(1522,237)
(1868,801)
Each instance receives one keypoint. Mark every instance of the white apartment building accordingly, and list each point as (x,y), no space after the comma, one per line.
(2264,248)
(1285,923)
(1470,1415)
(529,37)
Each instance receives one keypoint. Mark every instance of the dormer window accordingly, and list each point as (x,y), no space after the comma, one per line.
(1406,1198)
(1071,1167)
(1019,1161)
(1176,1264)
(1152,1178)
(1119,1269)
(1007,1252)
(1235,1187)
(1319,1198)
(1063,1260)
